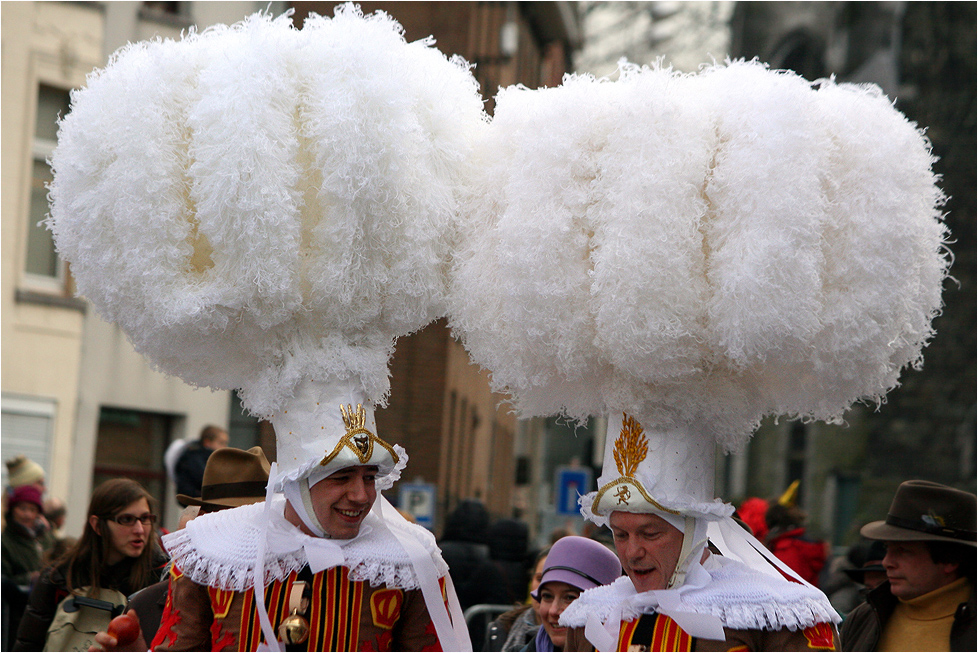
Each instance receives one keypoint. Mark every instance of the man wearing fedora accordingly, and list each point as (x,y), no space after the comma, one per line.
(928,601)
(232,478)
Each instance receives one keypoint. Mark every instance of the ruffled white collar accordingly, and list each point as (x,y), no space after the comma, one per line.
(220,549)
(740,597)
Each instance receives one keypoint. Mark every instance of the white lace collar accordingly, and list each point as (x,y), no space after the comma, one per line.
(220,549)
(740,597)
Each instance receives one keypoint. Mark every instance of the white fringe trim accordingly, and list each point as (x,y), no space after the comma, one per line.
(219,550)
(739,596)
(709,510)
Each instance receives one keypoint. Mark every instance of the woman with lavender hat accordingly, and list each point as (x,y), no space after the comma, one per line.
(574,564)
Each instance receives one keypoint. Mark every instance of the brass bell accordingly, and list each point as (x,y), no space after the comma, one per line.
(294,629)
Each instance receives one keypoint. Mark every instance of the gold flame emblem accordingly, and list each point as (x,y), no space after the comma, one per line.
(631,447)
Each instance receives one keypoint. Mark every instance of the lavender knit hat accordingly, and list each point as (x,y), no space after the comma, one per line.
(580,562)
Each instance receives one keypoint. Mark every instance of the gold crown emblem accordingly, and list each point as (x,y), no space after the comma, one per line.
(355,421)
(357,437)
(356,429)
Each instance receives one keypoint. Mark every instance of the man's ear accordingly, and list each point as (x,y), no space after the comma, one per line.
(951,569)
(93,522)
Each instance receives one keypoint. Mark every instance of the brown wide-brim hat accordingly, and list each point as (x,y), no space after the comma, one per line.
(922,510)
(232,478)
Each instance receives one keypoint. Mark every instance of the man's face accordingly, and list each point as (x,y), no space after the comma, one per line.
(219,441)
(342,500)
(912,572)
(648,547)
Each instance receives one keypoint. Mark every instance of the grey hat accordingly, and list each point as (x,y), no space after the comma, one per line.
(922,510)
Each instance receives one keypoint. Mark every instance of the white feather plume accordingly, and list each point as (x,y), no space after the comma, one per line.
(699,249)
(255,204)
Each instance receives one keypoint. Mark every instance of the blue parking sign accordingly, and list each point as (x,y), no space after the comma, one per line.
(571,483)
(418,499)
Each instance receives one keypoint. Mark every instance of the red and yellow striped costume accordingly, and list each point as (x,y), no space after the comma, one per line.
(344,615)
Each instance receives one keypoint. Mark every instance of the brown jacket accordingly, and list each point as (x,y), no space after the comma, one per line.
(655,632)
(863,626)
(343,615)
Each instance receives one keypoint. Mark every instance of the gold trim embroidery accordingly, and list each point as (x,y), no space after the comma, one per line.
(358,438)
(634,482)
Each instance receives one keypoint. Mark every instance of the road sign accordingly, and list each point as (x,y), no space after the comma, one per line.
(418,499)
(571,482)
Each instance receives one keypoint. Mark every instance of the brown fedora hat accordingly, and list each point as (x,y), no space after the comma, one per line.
(232,478)
(922,510)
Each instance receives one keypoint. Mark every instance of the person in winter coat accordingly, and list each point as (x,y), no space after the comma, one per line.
(508,543)
(928,601)
(21,555)
(21,547)
(788,541)
(189,467)
(465,547)
(574,564)
(513,630)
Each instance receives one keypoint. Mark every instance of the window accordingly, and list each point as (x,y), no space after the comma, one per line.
(131,444)
(42,261)
(27,429)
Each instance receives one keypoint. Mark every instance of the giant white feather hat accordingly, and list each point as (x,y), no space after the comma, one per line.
(699,251)
(266,209)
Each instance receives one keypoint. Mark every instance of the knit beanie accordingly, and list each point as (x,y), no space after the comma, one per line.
(23,471)
(27,494)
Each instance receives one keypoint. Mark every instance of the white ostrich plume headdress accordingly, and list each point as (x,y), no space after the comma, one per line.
(697,252)
(266,209)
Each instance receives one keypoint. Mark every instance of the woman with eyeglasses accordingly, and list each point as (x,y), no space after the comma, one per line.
(117,554)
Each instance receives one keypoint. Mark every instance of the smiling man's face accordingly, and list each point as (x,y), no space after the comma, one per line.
(648,547)
(343,499)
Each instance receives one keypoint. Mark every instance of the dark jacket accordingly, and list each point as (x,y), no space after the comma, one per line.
(148,604)
(464,546)
(512,630)
(508,545)
(863,626)
(21,553)
(189,469)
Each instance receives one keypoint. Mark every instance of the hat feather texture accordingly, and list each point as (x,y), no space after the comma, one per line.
(699,249)
(256,204)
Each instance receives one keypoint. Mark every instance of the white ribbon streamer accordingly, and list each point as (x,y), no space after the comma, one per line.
(449,624)
(735,542)
(271,640)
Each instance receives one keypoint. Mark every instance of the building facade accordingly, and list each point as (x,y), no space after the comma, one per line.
(76,397)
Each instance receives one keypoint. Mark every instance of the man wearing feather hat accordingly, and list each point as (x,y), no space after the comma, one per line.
(678,594)
(342,571)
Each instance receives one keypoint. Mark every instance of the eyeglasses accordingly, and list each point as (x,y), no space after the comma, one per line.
(127,520)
